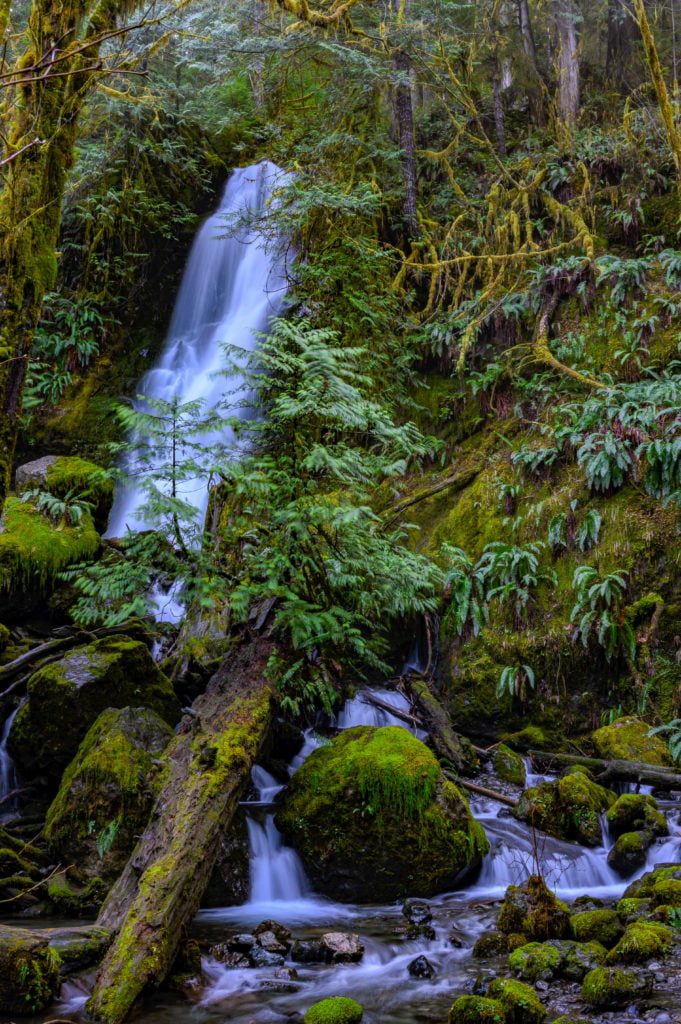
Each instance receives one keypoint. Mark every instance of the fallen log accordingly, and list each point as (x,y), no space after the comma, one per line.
(624,771)
(447,744)
(482,790)
(160,889)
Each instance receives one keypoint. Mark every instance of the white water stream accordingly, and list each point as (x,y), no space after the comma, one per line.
(7,772)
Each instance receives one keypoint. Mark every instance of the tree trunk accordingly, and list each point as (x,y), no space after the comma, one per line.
(448,745)
(621,27)
(627,771)
(535,87)
(160,890)
(568,63)
(404,132)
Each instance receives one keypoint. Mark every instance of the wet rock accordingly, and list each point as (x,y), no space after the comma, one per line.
(661,886)
(417,911)
(520,1003)
(567,808)
(421,967)
(78,947)
(307,952)
(60,475)
(494,944)
(65,699)
(342,947)
(29,971)
(427,838)
(641,941)
(533,910)
(615,986)
(230,881)
(260,957)
(418,931)
(225,956)
(636,812)
(337,1010)
(269,942)
(242,943)
(280,932)
(627,739)
(107,792)
(629,852)
(455,939)
(558,958)
(587,903)
(476,1010)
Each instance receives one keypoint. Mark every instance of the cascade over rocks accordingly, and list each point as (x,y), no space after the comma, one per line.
(107,791)
(422,836)
(567,808)
(65,699)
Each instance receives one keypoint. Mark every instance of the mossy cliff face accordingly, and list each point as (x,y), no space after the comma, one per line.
(568,808)
(29,971)
(65,698)
(33,550)
(374,819)
(107,791)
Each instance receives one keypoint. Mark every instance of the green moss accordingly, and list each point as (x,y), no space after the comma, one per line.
(602,926)
(611,986)
(494,944)
(627,739)
(633,812)
(29,972)
(508,765)
(336,1010)
(33,550)
(529,738)
(520,1002)
(85,479)
(477,1010)
(666,892)
(629,910)
(641,941)
(643,888)
(537,961)
(533,910)
(373,818)
(567,808)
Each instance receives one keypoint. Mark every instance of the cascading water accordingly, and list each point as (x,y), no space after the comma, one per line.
(276,870)
(232,286)
(7,772)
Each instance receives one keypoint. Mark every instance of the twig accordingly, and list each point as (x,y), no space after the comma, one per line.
(43,881)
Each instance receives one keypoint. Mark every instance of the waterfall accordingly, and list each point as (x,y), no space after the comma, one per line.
(7,773)
(232,286)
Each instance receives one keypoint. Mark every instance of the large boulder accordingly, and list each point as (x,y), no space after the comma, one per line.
(65,698)
(627,739)
(29,972)
(567,808)
(373,819)
(65,476)
(531,909)
(107,791)
(636,812)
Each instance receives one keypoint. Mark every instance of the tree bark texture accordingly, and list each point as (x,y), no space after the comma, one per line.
(568,62)
(160,890)
(621,27)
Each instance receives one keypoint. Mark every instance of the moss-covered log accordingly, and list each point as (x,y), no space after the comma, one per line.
(448,746)
(160,889)
(626,771)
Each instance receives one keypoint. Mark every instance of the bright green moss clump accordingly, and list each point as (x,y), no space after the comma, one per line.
(533,910)
(635,812)
(567,808)
(336,1010)
(33,550)
(29,972)
(612,986)
(627,739)
(537,961)
(602,926)
(520,1002)
(477,1010)
(508,765)
(374,819)
(641,941)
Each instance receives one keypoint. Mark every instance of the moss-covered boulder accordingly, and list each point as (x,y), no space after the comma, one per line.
(78,947)
(65,476)
(508,765)
(629,910)
(629,852)
(602,926)
(65,698)
(336,1010)
(34,550)
(614,986)
(373,818)
(557,958)
(567,808)
(636,812)
(641,941)
(29,972)
(653,886)
(533,910)
(497,944)
(107,791)
(520,1002)
(627,739)
(477,1010)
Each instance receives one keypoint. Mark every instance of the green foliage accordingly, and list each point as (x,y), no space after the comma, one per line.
(599,610)
(673,729)
(512,572)
(515,680)
(68,509)
(464,588)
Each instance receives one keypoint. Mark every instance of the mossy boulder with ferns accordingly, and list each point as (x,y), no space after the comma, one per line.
(66,697)
(374,819)
(107,791)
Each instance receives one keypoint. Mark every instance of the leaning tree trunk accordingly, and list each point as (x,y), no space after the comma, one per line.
(160,890)
(568,63)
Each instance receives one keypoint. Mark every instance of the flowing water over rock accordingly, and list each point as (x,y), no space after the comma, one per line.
(7,772)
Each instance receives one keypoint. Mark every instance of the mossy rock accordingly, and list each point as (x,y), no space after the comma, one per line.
(107,791)
(629,910)
(644,887)
(29,972)
(477,1010)
(373,818)
(68,901)
(572,1020)
(65,698)
(533,910)
(567,808)
(641,941)
(78,947)
(508,765)
(537,961)
(614,986)
(666,892)
(602,926)
(520,1002)
(493,944)
(5,638)
(64,475)
(627,739)
(629,852)
(33,551)
(636,812)
(336,1010)
(529,738)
